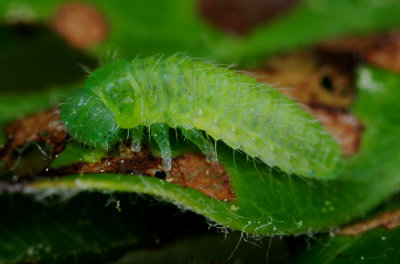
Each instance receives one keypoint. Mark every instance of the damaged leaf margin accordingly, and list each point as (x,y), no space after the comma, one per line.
(190,170)
(268,201)
(369,241)
(388,220)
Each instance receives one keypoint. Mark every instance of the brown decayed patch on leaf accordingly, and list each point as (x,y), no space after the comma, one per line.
(386,53)
(388,220)
(382,50)
(311,77)
(210,178)
(143,163)
(342,125)
(349,45)
(43,127)
(323,82)
(191,170)
(241,16)
(81,25)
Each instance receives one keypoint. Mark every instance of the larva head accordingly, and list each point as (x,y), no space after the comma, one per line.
(88,120)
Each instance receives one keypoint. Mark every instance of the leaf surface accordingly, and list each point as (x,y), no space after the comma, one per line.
(270,202)
(168,27)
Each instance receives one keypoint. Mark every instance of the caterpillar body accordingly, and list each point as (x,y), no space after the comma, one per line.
(123,97)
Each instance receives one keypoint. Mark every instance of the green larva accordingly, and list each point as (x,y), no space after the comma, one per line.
(121,98)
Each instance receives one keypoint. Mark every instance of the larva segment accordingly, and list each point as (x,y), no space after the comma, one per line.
(197,96)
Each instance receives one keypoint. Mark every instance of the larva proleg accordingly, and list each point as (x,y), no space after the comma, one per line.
(124,97)
(160,134)
(136,136)
(195,136)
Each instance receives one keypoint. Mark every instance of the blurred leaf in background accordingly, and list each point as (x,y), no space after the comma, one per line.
(47,49)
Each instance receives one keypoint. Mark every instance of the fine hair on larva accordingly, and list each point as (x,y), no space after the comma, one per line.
(123,98)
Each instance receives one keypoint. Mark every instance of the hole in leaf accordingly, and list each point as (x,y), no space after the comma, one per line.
(160,175)
(327,83)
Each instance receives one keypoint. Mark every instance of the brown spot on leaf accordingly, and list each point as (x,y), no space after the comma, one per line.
(386,53)
(143,163)
(81,25)
(42,127)
(349,45)
(342,125)
(241,16)
(382,50)
(191,170)
(387,220)
(311,77)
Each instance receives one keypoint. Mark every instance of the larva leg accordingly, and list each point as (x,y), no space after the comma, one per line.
(197,137)
(136,136)
(160,134)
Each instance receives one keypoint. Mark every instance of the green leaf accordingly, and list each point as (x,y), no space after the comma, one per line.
(220,248)
(73,153)
(314,21)
(37,70)
(270,202)
(87,228)
(14,106)
(376,246)
(137,27)
(371,246)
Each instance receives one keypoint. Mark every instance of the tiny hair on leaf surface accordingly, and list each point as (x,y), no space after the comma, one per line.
(89,227)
